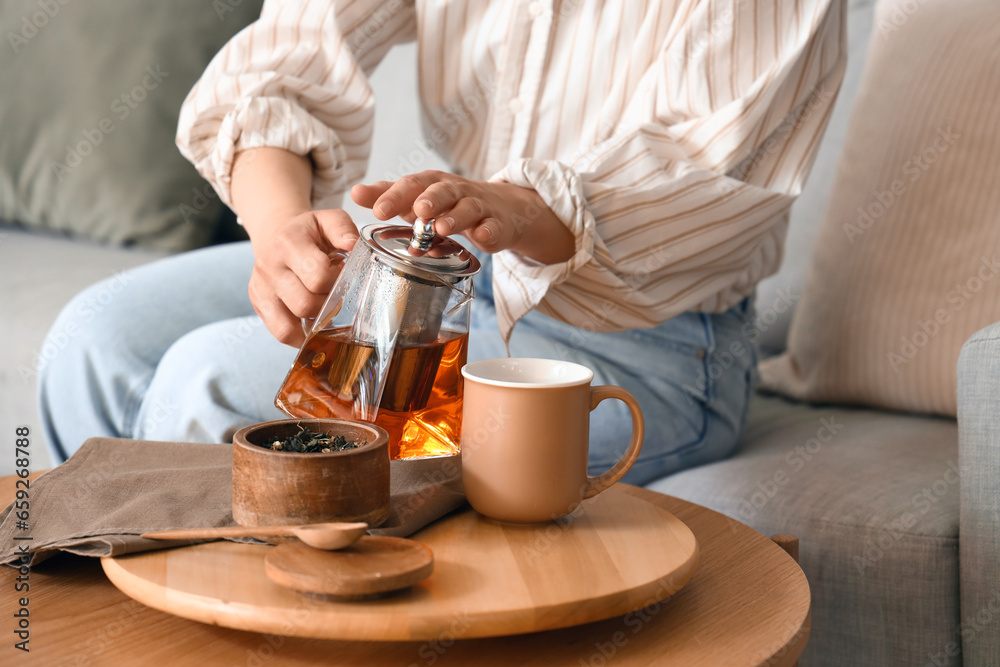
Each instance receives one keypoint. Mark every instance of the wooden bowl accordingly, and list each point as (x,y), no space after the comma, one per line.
(281,488)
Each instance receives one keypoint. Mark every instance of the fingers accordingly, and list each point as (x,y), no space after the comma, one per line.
(337,228)
(305,248)
(293,271)
(441,196)
(424,194)
(367,195)
(472,216)
(465,214)
(491,236)
(399,198)
(280,321)
(478,210)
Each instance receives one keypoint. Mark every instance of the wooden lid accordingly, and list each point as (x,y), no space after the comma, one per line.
(370,566)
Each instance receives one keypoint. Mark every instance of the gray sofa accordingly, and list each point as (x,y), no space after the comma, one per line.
(878,499)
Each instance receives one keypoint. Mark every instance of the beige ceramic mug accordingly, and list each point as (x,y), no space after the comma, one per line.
(525,433)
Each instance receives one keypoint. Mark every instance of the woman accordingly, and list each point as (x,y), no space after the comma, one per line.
(624,168)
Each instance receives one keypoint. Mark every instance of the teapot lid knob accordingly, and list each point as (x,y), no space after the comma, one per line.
(423,234)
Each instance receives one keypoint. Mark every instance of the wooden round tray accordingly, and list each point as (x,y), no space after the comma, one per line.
(616,554)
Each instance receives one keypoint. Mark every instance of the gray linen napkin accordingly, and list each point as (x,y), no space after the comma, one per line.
(111,490)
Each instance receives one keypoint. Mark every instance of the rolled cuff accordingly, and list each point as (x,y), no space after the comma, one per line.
(257,122)
(521,283)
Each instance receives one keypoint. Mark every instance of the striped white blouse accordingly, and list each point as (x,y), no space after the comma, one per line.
(670,136)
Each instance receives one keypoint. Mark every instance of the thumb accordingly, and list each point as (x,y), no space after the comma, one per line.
(337,228)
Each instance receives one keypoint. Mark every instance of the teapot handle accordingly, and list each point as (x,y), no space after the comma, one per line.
(467,294)
(336,256)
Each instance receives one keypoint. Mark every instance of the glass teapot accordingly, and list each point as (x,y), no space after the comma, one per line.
(390,342)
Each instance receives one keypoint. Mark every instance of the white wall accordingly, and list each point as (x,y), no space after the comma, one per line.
(398,147)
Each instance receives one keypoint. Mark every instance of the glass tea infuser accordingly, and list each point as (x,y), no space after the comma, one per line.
(389,344)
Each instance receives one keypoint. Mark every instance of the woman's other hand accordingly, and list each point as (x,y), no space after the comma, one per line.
(494,216)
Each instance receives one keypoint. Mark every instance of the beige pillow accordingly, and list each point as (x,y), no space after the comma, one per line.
(907,262)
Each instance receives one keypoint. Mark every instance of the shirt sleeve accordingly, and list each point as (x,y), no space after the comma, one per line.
(685,206)
(295,79)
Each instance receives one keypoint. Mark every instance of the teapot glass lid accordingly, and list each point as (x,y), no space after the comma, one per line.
(446,257)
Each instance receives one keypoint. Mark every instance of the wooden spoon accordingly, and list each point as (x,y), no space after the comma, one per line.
(326,536)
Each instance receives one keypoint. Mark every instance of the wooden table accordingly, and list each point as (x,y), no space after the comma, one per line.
(747,604)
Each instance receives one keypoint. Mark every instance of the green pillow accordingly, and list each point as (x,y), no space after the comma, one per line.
(90,91)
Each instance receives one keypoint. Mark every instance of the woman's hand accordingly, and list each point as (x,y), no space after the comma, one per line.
(493,216)
(292,271)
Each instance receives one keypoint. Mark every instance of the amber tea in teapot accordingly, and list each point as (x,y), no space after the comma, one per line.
(390,343)
(421,404)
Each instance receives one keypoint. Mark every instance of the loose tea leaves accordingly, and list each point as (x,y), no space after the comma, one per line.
(307,441)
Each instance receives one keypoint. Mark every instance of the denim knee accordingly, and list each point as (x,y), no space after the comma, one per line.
(213,381)
(79,394)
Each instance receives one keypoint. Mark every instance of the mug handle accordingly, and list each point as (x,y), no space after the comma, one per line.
(597,394)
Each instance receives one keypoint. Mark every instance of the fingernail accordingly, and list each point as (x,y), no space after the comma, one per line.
(449,223)
(428,203)
(349,237)
(382,209)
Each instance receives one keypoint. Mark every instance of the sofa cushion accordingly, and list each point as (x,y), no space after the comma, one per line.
(41,274)
(92,91)
(874,499)
(906,264)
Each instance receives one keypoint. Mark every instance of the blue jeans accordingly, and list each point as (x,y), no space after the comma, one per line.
(173,351)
